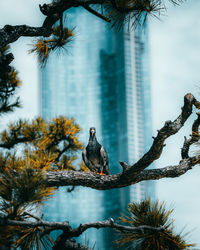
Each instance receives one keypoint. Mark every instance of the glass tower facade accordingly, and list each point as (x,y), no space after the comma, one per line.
(103,81)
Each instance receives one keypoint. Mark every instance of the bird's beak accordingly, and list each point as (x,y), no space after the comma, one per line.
(92,131)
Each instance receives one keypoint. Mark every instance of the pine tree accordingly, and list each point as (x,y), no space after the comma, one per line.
(38,156)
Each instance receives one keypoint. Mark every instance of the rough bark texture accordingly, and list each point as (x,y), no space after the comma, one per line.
(69,178)
(130,174)
(136,173)
(75,232)
(193,138)
(52,11)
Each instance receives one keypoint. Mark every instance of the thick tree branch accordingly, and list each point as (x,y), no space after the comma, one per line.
(12,143)
(135,173)
(130,174)
(169,128)
(10,34)
(68,178)
(54,10)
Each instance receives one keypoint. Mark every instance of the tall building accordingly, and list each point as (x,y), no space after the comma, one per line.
(103,81)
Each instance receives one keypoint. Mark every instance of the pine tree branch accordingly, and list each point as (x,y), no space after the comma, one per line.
(12,143)
(54,10)
(70,232)
(110,224)
(10,34)
(136,173)
(170,128)
(193,138)
(75,178)
(54,225)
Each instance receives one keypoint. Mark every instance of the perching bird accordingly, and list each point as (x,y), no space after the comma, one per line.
(95,156)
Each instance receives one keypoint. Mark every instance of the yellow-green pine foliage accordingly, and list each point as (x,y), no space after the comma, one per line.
(29,149)
(59,39)
(21,192)
(47,146)
(152,214)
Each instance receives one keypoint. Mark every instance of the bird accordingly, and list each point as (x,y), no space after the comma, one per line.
(95,156)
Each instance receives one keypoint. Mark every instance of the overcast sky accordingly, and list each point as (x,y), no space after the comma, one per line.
(175,71)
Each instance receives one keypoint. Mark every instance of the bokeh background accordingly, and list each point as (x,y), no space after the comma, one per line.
(175,70)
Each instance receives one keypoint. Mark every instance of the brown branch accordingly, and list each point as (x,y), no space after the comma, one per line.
(193,138)
(169,171)
(10,34)
(135,173)
(52,11)
(14,142)
(54,225)
(70,232)
(110,223)
(169,128)
(75,178)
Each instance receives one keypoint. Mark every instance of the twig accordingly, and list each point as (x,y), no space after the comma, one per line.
(194,138)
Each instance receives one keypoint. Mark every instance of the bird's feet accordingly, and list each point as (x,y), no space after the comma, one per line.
(101,173)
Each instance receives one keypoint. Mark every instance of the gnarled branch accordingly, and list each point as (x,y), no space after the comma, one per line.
(136,173)
(193,138)
(75,232)
(52,11)
(95,181)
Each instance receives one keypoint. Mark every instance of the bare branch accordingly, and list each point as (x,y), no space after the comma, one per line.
(69,232)
(135,173)
(110,223)
(169,171)
(68,178)
(193,138)
(54,225)
(54,10)
(169,128)
(13,142)
(10,34)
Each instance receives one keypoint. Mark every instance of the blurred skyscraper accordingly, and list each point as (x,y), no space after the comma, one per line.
(102,81)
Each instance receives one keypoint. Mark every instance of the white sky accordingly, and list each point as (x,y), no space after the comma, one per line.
(175,71)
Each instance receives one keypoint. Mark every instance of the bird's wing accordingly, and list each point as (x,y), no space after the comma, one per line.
(86,161)
(104,157)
